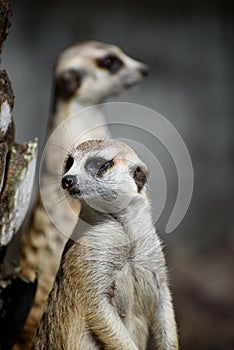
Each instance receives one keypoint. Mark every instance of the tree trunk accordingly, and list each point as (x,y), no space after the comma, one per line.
(17,168)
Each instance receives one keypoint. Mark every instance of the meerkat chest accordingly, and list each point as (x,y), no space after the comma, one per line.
(134,287)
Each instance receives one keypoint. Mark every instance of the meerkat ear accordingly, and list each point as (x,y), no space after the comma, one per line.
(139,176)
(67,83)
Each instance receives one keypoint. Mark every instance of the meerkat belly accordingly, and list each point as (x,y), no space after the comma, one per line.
(132,296)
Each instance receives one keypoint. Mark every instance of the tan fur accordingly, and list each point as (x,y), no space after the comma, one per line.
(111,290)
(42,244)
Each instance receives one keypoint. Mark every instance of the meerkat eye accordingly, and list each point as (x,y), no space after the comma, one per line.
(111,63)
(105,167)
(97,166)
(68,163)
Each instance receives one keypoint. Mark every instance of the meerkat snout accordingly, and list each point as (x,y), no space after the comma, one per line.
(144,69)
(68,181)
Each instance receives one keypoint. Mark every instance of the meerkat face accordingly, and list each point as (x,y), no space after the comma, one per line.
(93,71)
(105,174)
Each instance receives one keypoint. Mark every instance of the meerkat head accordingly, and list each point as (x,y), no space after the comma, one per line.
(92,71)
(105,174)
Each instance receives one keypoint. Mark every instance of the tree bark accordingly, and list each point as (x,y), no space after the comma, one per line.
(17,168)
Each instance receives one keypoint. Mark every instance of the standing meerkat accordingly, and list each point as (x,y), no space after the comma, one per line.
(88,73)
(111,290)
(85,74)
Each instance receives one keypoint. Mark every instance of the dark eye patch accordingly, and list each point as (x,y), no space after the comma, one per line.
(111,62)
(98,166)
(68,163)
(67,83)
(105,167)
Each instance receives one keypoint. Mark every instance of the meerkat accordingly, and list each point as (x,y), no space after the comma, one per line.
(88,73)
(85,74)
(111,290)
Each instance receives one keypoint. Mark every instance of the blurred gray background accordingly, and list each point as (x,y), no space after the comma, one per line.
(190,48)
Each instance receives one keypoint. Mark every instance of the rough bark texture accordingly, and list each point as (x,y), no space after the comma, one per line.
(17,167)
(7,129)
(17,185)
(5,16)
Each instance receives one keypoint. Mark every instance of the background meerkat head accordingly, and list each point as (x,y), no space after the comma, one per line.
(92,71)
(105,174)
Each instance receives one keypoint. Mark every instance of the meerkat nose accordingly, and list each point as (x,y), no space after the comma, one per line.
(68,181)
(144,70)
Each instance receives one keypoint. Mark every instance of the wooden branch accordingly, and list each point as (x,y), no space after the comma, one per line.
(17,167)
(15,197)
(7,129)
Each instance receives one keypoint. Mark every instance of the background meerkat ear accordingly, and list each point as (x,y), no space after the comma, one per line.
(139,176)
(67,83)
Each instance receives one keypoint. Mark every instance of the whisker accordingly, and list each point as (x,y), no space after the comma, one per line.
(69,136)
(56,176)
(53,179)
(56,203)
(60,147)
(54,184)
